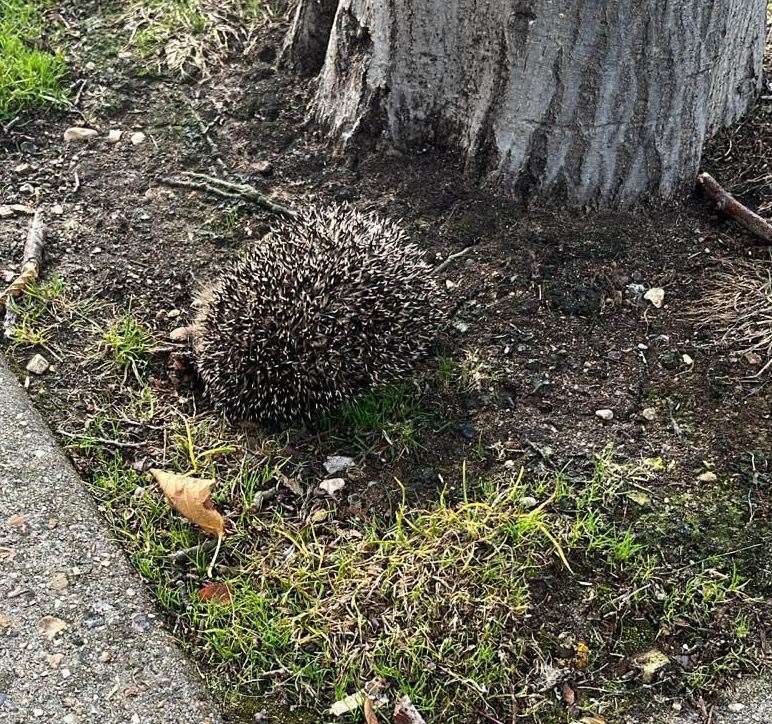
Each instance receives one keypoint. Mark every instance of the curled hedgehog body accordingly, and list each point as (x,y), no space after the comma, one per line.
(323,306)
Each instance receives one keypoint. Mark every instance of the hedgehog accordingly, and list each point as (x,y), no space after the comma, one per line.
(325,305)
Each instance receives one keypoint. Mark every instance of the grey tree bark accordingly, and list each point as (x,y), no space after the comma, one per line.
(591,101)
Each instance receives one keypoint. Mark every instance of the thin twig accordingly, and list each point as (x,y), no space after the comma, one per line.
(31,261)
(204,127)
(731,207)
(445,264)
(103,440)
(228,190)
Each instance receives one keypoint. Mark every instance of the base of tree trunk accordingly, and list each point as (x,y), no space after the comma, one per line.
(596,102)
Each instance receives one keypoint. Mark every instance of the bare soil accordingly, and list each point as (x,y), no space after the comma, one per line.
(547,297)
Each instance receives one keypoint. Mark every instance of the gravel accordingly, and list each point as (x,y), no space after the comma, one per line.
(80,637)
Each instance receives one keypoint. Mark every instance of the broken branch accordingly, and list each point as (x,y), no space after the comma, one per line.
(228,190)
(731,207)
(30,269)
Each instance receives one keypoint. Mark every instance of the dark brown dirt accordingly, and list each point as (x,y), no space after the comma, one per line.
(547,296)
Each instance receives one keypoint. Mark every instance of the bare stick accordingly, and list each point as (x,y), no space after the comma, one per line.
(731,207)
(205,133)
(31,262)
(444,265)
(228,190)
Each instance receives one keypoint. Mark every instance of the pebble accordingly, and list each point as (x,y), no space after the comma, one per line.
(337,463)
(78,133)
(27,189)
(529,502)
(707,477)
(264,168)
(467,431)
(687,359)
(649,413)
(137,138)
(605,414)
(736,707)
(57,209)
(114,136)
(332,485)
(655,295)
(38,365)
(180,334)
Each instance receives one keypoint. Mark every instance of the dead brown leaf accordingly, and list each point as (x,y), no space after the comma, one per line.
(49,626)
(191,497)
(369,710)
(19,522)
(216,592)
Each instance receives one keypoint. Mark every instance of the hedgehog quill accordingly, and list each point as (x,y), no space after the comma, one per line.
(323,306)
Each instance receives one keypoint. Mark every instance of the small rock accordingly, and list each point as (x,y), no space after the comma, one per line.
(635,291)
(655,295)
(649,413)
(27,189)
(460,325)
(467,431)
(137,138)
(650,663)
(180,334)
(509,464)
(707,477)
(22,167)
(96,250)
(605,414)
(140,622)
(59,581)
(736,707)
(687,359)
(78,133)
(639,497)
(38,365)
(104,657)
(529,502)
(57,209)
(332,485)
(264,168)
(173,313)
(5,212)
(114,136)
(337,463)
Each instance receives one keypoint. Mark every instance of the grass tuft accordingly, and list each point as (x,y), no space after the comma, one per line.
(29,77)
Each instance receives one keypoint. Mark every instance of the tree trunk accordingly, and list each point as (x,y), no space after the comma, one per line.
(306,42)
(591,101)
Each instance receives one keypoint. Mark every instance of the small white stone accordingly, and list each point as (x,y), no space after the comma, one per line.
(173,313)
(114,136)
(38,365)
(78,133)
(37,712)
(332,485)
(707,477)
(687,359)
(649,413)
(337,463)
(57,209)
(605,414)
(27,189)
(655,295)
(736,707)
(509,464)
(96,250)
(137,138)
(529,502)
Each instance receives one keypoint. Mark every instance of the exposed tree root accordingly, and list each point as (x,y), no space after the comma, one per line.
(227,189)
(730,206)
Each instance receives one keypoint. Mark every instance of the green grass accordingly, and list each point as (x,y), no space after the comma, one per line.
(29,77)
(449,602)
(127,344)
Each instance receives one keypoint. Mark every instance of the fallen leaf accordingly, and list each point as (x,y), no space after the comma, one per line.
(216,591)
(638,497)
(369,710)
(49,626)
(352,702)
(191,497)
(582,656)
(650,663)
(568,693)
(17,521)
(406,713)
(54,660)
